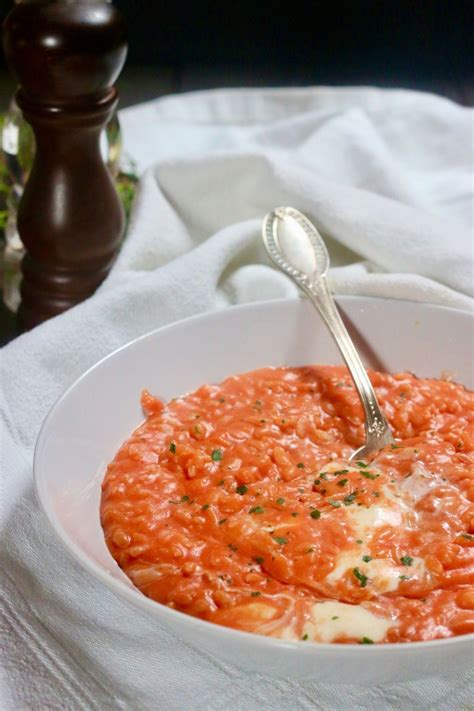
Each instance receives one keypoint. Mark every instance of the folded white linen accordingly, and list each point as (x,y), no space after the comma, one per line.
(387,177)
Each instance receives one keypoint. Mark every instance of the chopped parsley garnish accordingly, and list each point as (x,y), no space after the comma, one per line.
(341,471)
(216,455)
(359,541)
(171,501)
(366,640)
(362,464)
(220,483)
(360,577)
(406,560)
(336,504)
(404,577)
(323,475)
(205,507)
(233,547)
(367,558)
(256,593)
(300,465)
(335,617)
(280,501)
(242,489)
(257,510)
(370,475)
(223,520)
(395,446)
(309,550)
(222,399)
(467,536)
(184,498)
(258,559)
(342,482)
(315,513)
(294,513)
(172,448)
(281,540)
(348,500)
(304,637)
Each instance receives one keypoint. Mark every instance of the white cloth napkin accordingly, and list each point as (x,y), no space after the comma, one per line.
(387,177)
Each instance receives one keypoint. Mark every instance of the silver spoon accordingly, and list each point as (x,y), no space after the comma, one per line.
(296,247)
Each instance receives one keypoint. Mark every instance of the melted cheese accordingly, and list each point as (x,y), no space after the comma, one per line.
(337,620)
(419,483)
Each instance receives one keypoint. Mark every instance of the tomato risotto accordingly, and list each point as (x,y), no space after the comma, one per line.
(238,504)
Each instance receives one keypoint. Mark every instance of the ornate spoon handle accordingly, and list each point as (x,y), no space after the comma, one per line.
(297,248)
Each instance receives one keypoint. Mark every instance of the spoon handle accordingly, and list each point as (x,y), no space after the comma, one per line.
(377,430)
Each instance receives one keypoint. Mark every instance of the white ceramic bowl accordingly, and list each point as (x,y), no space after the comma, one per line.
(86,426)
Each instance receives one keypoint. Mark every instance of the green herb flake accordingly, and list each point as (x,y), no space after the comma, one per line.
(362,465)
(222,399)
(242,489)
(172,501)
(370,475)
(257,510)
(300,465)
(294,514)
(336,504)
(342,482)
(220,483)
(281,540)
(340,472)
(359,541)
(315,513)
(404,577)
(349,499)
(406,560)
(205,507)
(335,617)
(394,446)
(259,559)
(366,640)
(172,448)
(304,637)
(280,501)
(184,498)
(323,475)
(256,593)
(360,577)
(467,536)
(216,455)
(367,558)
(223,520)
(309,550)
(233,547)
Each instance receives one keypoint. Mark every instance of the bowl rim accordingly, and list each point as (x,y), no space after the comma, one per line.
(157,609)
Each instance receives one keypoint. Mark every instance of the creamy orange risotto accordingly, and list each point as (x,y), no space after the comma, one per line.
(238,504)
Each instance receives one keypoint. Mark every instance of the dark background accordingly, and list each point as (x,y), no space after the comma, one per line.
(179,46)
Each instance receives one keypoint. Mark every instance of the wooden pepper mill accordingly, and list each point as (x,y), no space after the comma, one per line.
(66,55)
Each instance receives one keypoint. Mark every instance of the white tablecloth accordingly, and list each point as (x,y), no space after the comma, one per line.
(387,177)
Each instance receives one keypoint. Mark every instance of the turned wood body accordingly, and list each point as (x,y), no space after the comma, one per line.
(66,56)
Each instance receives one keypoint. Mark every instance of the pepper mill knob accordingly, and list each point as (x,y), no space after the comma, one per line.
(66,55)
